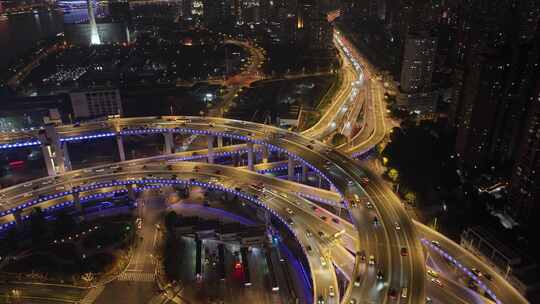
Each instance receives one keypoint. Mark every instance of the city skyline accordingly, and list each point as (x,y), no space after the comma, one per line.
(269,151)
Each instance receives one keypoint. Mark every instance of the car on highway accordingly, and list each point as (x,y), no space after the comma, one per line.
(289,211)
(357,281)
(437,282)
(392,293)
(258,186)
(331,291)
(369,205)
(323,261)
(404,251)
(309,249)
(320,300)
(432,273)
(371,259)
(436,243)
(380,275)
(375,221)
(404,292)
(476,272)
(324,218)
(362,255)
(429,300)
(321,234)
(308,233)
(335,220)
(398,227)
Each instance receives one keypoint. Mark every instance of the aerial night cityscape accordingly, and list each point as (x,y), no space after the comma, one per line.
(269,151)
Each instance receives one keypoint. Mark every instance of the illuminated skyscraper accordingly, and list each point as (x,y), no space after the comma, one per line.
(94,34)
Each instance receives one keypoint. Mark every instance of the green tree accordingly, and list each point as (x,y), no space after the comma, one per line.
(64,224)
(170,220)
(38,227)
(410,197)
(393,174)
(338,139)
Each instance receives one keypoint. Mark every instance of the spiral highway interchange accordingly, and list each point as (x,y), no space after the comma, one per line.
(348,184)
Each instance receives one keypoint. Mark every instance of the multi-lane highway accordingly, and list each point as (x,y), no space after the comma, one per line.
(344,99)
(332,166)
(383,240)
(380,228)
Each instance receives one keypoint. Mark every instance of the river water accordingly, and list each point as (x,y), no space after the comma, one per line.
(19,33)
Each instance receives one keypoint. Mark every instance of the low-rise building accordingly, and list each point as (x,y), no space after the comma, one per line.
(96,103)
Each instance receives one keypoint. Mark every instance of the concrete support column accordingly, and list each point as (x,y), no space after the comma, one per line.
(18,219)
(58,151)
(67,160)
(220,141)
(131,191)
(266,154)
(290,168)
(210,139)
(169,143)
(77,201)
(251,156)
(267,218)
(46,150)
(53,152)
(304,173)
(120,144)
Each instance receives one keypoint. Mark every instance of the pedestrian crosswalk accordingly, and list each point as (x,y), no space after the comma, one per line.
(136,276)
(92,295)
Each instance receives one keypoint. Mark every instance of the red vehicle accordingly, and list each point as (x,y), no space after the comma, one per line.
(404,251)
(392,293)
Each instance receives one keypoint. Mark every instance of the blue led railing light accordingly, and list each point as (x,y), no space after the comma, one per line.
(463,269)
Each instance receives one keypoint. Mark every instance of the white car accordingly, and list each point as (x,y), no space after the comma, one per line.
(398,227)
(331,291)
(323,261)
(433,273)
(357,281)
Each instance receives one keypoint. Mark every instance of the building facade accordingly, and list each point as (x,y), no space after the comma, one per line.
(96,103)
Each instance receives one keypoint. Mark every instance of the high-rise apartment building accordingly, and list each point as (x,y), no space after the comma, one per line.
(418,62)
(479,99)
(96,103)
(417,73)
(496,64)
(525,183)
